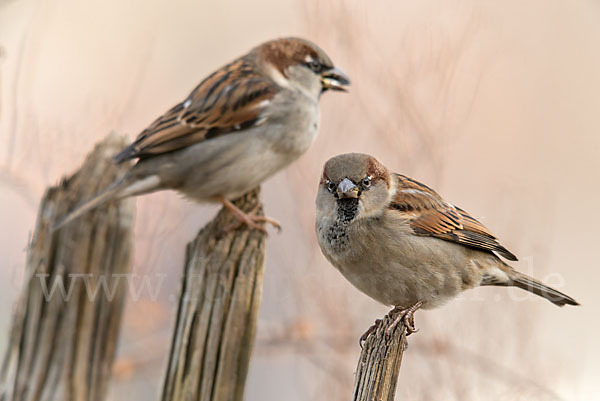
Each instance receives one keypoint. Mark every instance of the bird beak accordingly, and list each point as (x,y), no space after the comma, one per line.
(347,189)
(334,79)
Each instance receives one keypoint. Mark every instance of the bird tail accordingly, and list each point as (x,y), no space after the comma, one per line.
(118,190)
(532,285)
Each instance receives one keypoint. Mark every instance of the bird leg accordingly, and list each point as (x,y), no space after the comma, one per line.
(367,333)
(251,219)
(407,316)
(404,315)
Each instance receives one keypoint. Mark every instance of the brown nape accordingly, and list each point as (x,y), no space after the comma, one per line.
(285,52)
(378,171)
(324,177)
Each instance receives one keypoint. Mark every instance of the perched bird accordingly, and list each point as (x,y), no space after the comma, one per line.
(239,126)
(400,243)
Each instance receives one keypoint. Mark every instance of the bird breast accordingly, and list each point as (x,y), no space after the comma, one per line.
(295,121)
(384,260)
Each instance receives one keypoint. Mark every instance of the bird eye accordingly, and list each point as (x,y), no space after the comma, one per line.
(315,65)
(366,182)
(330,186)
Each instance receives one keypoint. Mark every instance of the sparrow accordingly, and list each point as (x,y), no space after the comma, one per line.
(400,243)
(239,126)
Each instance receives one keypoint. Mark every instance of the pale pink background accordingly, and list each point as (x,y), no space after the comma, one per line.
(494,104)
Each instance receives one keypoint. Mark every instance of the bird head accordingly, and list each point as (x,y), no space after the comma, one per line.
(300,64)
(353,186)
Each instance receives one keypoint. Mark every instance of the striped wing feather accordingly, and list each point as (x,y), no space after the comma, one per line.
(430,215)
(229,100)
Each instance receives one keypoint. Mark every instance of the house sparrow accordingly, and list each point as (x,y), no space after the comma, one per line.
(239,126)
(400,243)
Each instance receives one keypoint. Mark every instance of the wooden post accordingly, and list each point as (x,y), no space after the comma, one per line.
(67,319)
(379,364)
(218,308)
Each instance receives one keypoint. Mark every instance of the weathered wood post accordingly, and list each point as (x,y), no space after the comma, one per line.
(67,319)
(379,363)
(216,320)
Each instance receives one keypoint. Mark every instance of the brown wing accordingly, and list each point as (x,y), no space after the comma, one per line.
(229,100)
(430,215)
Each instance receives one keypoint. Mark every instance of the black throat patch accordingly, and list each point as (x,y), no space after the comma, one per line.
(347,209)
(337,233)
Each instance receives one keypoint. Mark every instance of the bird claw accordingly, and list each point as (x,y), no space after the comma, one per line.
(367,333)
(399,314)
(251,219)
(406,316)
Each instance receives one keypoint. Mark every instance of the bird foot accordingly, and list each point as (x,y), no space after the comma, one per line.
(407,316)
(399,314)
(367,333)
(251,219)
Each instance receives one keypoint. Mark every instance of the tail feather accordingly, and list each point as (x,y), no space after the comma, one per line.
(532,285)
(119,190)
(87,206)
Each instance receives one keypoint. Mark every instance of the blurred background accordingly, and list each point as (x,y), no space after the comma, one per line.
(494,104)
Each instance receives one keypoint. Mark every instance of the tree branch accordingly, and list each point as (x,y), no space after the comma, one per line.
(379,363)
(63,337)
(218,308)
